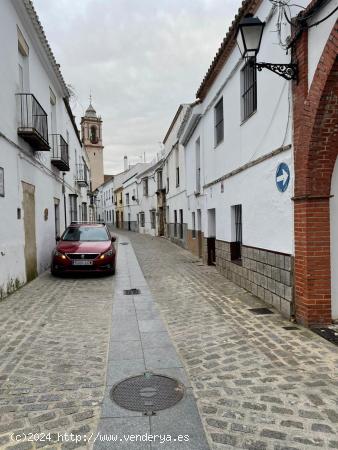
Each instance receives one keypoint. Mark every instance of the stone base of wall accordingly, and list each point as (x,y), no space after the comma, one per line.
(193,243)
(264,273)
(133,226)
(176,239)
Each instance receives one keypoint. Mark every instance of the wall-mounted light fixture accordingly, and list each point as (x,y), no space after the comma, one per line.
(249,36)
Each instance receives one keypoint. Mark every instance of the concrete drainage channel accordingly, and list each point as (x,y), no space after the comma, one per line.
(148,392)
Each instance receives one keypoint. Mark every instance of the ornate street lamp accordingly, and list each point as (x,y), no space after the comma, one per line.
(249,36)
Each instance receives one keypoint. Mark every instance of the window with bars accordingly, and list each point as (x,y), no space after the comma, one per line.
(249,89)
(198,165)
(145,187)
(236,245)
(181,223)
(127,198)
(219,122)
(177,176)
(153,219)
(73,207)
(142,221)
(159,180)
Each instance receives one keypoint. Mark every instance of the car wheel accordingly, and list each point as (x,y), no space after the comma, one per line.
(53,272)
(112,271)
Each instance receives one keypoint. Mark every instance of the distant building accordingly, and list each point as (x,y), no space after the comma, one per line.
(174,180)
(91,131)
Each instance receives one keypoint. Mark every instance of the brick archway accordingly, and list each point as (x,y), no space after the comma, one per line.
(315,153)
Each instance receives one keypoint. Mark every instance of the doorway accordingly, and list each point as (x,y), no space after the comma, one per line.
(57,216)
(181,224)
(211,239)
(199,232)
(160,222)
(29,229)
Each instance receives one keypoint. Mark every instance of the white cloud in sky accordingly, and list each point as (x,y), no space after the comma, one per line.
(140,59)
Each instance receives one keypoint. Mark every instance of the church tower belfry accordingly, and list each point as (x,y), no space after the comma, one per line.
(91,132)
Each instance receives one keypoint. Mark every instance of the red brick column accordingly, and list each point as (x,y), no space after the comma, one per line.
(315,153)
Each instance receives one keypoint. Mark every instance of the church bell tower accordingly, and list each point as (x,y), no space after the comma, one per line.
(91,130)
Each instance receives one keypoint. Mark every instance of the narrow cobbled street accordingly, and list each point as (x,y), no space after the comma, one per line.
(54,334)
(260,382)
(259,385)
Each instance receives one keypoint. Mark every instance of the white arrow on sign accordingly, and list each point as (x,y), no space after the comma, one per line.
(284,177)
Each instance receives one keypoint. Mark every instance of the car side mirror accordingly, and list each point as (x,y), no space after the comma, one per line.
(58,238)
(113,238)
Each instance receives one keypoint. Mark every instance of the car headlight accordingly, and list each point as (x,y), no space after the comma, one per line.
(61,255)
(108,253)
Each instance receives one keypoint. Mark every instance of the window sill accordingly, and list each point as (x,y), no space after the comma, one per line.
(247,118)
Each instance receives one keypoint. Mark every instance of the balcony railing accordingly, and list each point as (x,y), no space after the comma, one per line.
(82,175)
(60,157)
(32,122)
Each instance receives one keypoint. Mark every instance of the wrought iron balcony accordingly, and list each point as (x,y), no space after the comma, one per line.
(60,157)
(33,126)
(82,175)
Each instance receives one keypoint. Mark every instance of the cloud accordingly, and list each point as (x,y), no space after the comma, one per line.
(139,59)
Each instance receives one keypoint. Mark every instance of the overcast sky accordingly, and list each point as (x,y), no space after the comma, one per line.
(140,59)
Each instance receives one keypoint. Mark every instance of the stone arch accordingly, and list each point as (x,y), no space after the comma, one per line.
(315,150)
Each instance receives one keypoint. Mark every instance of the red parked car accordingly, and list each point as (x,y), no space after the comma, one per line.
(84,247)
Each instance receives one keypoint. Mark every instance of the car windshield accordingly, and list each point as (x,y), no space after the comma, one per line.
(85,234)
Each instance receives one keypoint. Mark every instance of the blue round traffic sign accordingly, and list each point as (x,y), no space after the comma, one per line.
(282,177)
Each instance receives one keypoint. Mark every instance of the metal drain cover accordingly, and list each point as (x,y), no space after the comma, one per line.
(147,393)
(329,334)
(123,243)
(291,328)
(131,291)
(260,311)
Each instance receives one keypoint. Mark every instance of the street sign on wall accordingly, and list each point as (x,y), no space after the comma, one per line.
(282,177)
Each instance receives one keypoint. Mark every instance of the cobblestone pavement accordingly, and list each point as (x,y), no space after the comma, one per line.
(53,345)
(259,386)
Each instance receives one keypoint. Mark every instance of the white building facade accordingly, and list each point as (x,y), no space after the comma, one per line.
(105,201)
(174,180)
(237,141)
(44,175)
(147,200)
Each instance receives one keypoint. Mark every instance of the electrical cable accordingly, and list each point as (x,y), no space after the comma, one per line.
(323,19)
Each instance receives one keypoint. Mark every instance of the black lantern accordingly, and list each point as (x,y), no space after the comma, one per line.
(249,36)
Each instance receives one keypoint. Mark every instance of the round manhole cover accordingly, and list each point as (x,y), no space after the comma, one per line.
(147,392)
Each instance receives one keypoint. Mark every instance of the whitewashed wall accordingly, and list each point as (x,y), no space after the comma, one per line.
(17,157)
(107,202)
(148,202)
(176,198)
(267,214)
(131,187)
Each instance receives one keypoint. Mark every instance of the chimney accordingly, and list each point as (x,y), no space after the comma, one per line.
(125,162)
